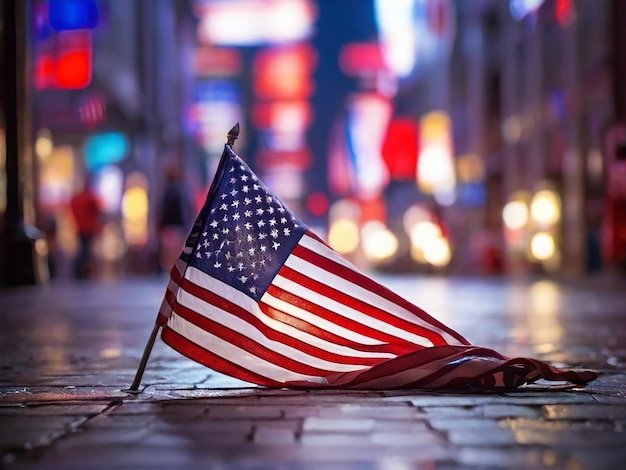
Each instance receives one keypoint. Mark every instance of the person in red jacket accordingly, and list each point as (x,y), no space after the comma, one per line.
(87,211)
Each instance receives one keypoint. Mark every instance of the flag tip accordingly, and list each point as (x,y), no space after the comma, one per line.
(233,134)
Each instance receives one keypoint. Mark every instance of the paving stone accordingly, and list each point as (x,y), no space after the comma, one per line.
(268,435)
(61,409)
(476,424)
(345,425)
(502,457)
(371,411)
(485,437)
(403,426)
(403,439)
(503,411)
(336,440)
(588,412)
(119,421)
(244,412)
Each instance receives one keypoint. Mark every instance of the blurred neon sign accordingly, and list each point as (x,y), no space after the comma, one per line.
(254,22)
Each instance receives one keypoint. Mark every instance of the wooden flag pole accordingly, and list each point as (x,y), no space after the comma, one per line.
(233,134)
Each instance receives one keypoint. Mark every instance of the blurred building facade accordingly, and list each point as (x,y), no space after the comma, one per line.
(455,136)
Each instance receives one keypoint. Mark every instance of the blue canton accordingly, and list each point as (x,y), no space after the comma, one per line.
(243,234)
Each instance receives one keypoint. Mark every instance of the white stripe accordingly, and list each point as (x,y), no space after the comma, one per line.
(234,354)
(342,309)
(235,323)
(316,320)
(355,290)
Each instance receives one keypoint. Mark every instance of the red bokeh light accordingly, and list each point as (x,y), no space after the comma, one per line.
(73,70)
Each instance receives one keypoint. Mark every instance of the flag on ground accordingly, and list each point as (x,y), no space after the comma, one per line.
(256,295)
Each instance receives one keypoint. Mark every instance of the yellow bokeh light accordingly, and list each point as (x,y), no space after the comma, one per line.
(545,207)
(542,246)
(43,145)
(379,243)
(423,232)
(437,252)
(343,236)
(515,214)
(135,212)
(135,204)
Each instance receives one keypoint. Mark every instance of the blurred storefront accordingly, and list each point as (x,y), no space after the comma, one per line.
(471,137)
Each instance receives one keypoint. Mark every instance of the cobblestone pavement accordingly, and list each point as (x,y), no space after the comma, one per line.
(68,350)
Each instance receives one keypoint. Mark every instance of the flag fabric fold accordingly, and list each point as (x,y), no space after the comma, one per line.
(256,295)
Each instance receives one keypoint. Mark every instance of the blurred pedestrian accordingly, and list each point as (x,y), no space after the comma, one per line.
(87,211)
(175,217)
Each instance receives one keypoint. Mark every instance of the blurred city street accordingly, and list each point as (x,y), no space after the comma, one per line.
(69,349)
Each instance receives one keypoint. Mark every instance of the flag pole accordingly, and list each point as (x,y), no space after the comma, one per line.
(233,134)
(134,388)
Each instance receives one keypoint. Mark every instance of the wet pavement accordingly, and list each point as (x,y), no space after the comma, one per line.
(68,350)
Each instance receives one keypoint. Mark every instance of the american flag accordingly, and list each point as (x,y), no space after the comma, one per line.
(256,295)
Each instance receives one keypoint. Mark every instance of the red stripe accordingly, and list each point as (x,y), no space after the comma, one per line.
(211,360)
(369,284)
(361,306)
(393,344)
(253,347)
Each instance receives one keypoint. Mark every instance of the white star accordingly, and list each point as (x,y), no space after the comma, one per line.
(213,223)
(243,279)
(235,203)
(251,251)
(247,201)
(261,223)
(274,233)
(236,216)
(244,177)
(259,211)
(275,245)
(287,231)
(245,188)
(224,207)
(247,214)
(217,265)
(256,186)
(272,222)
(234,192)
